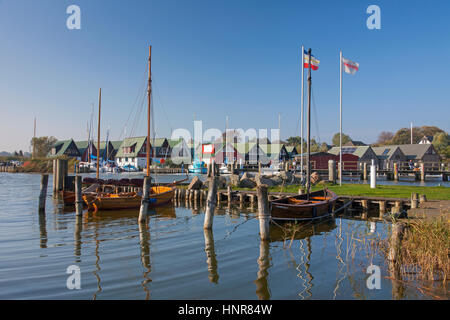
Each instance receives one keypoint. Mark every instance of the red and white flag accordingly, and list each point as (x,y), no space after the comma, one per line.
(350,66)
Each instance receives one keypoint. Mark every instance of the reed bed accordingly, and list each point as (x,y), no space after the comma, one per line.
(425,250)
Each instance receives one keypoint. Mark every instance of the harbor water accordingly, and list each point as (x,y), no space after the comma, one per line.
(172,257)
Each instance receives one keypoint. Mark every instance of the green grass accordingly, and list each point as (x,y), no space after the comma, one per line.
(432,193)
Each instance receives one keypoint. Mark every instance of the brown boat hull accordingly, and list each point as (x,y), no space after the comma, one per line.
(158,197)
(297,208)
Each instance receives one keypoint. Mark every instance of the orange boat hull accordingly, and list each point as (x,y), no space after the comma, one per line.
(159,196)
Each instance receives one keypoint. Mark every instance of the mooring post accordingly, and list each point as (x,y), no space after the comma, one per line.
(145,200)
(414,200)
(263,212)
(332,171)
(382,205)
(78,196)
(422,172)
(395,171)
(422,198)
(54,177)
(43,192)
(229,194)
(211,202)
(373,175)
(398,230)
(365,171)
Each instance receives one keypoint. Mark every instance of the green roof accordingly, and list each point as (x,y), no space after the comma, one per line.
(137,142)
(357,150)
(116,144)
(157,142)
(63,145)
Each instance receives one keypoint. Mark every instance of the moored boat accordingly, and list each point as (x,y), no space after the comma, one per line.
(159,195)
(319,205)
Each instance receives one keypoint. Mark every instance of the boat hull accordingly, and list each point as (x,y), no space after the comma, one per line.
(321,204)
(159,196)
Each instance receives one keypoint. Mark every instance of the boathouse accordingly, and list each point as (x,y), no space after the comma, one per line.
(388,155)
(132,152)
(425,153)
(319,160)
(65,148)
(291,150)
(179,151)
(364,154)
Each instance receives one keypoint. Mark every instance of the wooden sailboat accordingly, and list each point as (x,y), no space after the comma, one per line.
(309,206)
(159,195)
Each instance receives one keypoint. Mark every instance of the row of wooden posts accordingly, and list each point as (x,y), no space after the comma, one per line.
(212,197)
(10,169)
(333,172)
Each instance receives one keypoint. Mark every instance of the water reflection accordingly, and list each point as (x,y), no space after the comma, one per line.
(42,230)
(211,260)
(144,240)
(77,236)
(302,232)
(262,285)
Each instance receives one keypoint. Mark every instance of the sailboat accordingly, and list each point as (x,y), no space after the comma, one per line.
(312,205)
(159,195)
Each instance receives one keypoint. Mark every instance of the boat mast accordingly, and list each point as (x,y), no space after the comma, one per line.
(149,93)
(98,131)
(308,168)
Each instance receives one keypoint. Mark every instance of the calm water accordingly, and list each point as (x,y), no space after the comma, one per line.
(171,257)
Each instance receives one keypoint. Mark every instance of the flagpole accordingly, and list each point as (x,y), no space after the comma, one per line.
(302,112)
(340,119)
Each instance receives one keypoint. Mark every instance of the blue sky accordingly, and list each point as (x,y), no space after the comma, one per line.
(219,58)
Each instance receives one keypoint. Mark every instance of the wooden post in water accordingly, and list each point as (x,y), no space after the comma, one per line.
(78,196)
(211,202)
(54,177)
(414,200)
(422,172)
(263,212)
(229,194)
(382,205)
(396,171)
(398,230)
(43,192)
(145,199)
(422,198)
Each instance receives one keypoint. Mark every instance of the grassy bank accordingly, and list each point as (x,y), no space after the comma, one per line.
(432,193)
(43,165)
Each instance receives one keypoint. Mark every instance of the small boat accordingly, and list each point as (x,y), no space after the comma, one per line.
(159,195)
(224,169)
(198,167)
(69,196)
(319,205)
(312,205)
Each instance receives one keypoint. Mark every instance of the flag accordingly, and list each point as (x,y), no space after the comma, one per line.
(314,62)
(350,66)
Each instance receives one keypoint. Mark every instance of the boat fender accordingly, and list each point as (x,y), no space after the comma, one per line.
(314,212)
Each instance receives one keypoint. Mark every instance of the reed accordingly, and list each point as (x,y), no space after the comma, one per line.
(425,250)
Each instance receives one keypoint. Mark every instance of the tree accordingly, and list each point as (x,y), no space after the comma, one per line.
(385,137)
(42,145)
(323,147)
(441,141)
(292,141)
(345,139)
(403,136)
